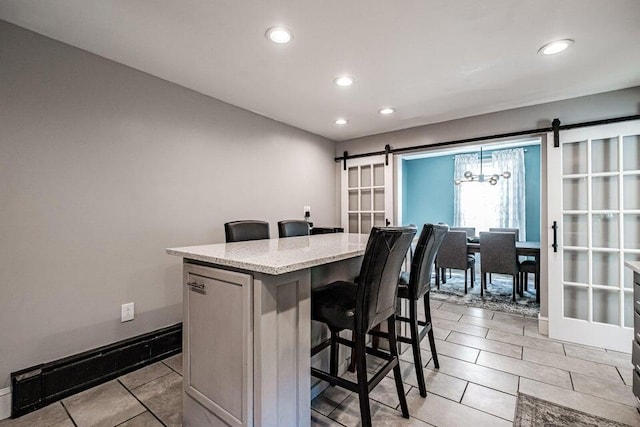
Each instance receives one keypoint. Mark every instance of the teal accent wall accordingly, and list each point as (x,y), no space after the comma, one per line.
(532,191)
(427,188)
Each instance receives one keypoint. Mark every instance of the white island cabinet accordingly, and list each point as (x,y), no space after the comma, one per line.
(247,330)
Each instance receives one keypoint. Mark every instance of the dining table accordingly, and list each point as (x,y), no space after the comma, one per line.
(522,249)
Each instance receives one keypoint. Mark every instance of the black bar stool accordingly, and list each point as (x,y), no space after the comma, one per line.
(293,228)
(415,286)
(359,307)
(240,231)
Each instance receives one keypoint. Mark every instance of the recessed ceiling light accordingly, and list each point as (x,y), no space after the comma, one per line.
(387,110)
(279,35)
(555,47)
(341,121)
(343,81)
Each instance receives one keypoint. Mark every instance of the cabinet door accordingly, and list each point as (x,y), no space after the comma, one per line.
(218,342)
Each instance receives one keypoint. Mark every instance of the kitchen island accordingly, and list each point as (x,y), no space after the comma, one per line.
(247,330)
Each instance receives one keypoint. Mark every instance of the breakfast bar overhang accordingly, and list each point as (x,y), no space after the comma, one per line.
(247,329)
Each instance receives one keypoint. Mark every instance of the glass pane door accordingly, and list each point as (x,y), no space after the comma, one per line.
(367,199)
(597,208)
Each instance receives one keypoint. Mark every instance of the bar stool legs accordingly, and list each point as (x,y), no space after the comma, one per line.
(432,339)
(415,346)
(397,374)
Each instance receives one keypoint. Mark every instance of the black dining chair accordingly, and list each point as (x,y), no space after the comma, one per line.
(240,231)
(453,254)
(498,255)
(527,267)
(360,307)
(471,234)
(515,231)
(415,286)
(471,231)
(293,228)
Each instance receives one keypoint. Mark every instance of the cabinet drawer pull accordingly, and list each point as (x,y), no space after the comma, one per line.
(196,285)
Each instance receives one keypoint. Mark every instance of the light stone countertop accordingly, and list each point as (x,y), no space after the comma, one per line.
(279,256)
(633,265)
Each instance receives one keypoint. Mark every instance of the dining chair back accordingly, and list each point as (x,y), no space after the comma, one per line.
(516,231)
(453,254)
(240,231)
(498,255)
(471,231)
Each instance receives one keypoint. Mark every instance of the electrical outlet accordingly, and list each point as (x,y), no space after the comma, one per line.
(306,211)
(127,312)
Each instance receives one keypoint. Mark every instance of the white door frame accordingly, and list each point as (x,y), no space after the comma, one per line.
(389,202)
(589,332)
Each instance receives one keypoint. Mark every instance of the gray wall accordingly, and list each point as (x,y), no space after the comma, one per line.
(103,167)
(594,107)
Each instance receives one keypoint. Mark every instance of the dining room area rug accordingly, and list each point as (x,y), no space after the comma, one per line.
(497,296)
(534,412)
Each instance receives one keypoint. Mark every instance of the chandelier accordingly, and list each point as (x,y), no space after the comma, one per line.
(491,179)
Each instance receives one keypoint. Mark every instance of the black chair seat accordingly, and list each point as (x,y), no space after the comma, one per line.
(528,266)
(403,285)
(335,305)
(525,268)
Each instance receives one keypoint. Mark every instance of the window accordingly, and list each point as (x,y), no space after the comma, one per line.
(482,205)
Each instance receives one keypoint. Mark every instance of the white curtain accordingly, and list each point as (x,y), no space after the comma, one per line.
(482,205)
(463,162)
(511,201)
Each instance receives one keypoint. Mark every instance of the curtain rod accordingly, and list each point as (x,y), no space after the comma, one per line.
(555,128)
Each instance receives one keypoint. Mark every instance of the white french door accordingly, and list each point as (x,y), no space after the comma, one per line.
(367,194)
(594,198)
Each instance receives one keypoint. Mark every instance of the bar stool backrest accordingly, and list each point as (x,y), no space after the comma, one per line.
(378,283)
(429,242)
(293,228)
(240,231)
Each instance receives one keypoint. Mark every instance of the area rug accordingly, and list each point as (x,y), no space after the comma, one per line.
(496,297)
(534,412)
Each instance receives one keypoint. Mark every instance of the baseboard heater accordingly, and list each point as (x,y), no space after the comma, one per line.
(40,385)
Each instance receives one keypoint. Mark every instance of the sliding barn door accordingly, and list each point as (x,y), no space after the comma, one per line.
(367,194)
(594,200)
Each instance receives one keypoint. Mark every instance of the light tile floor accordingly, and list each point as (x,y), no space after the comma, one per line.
(486,358)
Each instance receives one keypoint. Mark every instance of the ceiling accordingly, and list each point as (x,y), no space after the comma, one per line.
(433,60)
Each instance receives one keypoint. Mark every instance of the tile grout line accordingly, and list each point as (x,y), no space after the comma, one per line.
(471,407)
(464,391)
(143,405)
(573,387)
(170,367)
(68,414)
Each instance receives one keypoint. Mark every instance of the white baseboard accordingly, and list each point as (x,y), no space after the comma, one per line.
(543,325)
(5,403)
